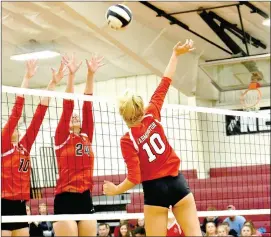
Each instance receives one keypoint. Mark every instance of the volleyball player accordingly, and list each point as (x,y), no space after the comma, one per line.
(75,158)
(151,160)
(16,154)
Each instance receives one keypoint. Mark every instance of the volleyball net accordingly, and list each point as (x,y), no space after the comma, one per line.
(225,156)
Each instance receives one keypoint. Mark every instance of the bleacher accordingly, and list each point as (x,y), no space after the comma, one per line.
(246,187)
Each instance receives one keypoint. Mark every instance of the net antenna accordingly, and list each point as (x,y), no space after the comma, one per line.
(251,97)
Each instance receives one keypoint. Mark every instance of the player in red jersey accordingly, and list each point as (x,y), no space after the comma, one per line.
(75,158)
(16,155)
(151,160)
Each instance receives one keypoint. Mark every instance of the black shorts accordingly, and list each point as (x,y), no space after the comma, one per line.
(165,191)
(73,203)
(13,208)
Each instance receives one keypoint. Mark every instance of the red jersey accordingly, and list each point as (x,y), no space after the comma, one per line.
(16,158)
(75,157)
(145,148)
(174,230)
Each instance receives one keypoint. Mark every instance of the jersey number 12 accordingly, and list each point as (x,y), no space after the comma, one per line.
(154,140)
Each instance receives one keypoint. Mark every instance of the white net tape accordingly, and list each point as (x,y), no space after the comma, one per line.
(123,216)
(74,96)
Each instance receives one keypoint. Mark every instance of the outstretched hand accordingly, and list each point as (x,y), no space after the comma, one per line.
(31,68)
(58,75)
(71,63)
(180,48)
(94,63)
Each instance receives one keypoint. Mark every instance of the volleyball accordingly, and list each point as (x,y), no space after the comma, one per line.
(118,16)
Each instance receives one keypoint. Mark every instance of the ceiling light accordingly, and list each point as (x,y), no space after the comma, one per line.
(266,22)
(35,55)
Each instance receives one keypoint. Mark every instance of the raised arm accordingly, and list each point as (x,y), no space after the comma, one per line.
(157,100)
(33,129)
(70,62)
(63,127)
(31,69)
(88,125)
(10,126)
(57,76)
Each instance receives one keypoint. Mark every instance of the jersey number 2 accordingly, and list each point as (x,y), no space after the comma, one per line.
(154,139)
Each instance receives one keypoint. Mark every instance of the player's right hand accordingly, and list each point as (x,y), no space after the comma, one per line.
(31,68)
(71,63)
(58,75)
(180,48)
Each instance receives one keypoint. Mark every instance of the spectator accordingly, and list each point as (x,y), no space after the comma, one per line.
(43,209)
(140,222)
(108,232)
(210,229)
(124,231)
(236,222)
(254,231)
(139,231)
(222,230)
(232,232)
(246,231)
(45,226)
(117,228)
(34,229)
(103,230)
(214,219)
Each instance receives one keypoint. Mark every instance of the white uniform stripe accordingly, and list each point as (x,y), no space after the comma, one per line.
(61,145)
(158,121)
(84,135)
(148,115)
(8,152)
(132,139)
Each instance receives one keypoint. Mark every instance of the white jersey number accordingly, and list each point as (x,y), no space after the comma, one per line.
(154,140)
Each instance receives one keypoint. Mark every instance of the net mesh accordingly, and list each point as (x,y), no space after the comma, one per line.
(225,156)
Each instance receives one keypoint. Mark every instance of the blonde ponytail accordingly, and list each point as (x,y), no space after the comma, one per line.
(131,108)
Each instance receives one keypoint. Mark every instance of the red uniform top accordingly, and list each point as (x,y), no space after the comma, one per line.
(75,157)
(16,158)
(145,148)
(174,230)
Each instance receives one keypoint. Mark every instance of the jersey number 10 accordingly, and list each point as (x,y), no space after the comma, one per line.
(24,165)
(154,140)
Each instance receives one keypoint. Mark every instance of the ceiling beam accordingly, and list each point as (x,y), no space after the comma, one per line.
(203,8)
(175,21)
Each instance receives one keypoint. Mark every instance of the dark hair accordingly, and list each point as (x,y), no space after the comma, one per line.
(139,230)
(225,223)
(210,222)
(102,224)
